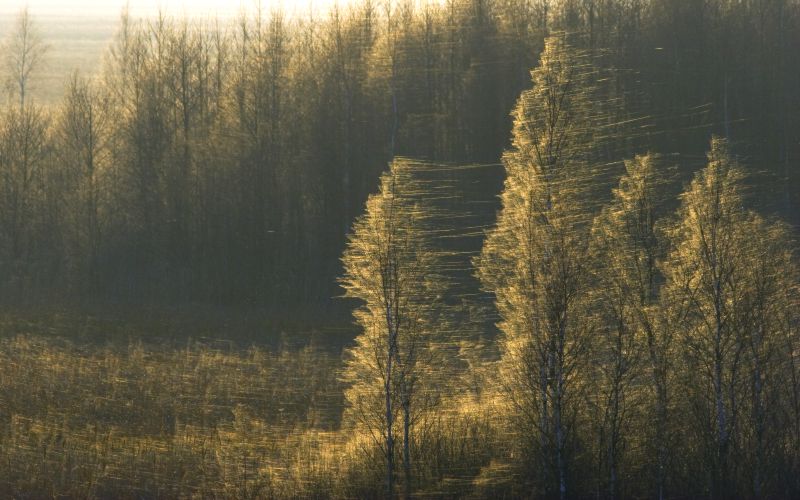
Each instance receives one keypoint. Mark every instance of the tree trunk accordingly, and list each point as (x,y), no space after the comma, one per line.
(557,414)
(407,447)
(389,437)
(661,437)
(722,416)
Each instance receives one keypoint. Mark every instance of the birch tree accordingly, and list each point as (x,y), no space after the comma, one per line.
(534,260)
(626,246)
(23,139)
(770,274)
(704,272)
(731,285)
(391,266)
(24,144)
(23,53)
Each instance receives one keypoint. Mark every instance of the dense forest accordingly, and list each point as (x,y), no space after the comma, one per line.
(222,163)
(566,230)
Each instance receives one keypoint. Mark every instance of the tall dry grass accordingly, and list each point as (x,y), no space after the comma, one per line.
(134,420)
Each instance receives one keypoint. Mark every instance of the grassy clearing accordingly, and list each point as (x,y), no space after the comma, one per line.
(135,419)
(141,420)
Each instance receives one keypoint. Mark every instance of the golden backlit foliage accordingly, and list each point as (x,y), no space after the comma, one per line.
(534,261)
(629,345)
(731,279)
(621,336)
(396,372)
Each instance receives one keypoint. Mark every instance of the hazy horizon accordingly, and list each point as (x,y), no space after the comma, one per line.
(78,32)
(144,8)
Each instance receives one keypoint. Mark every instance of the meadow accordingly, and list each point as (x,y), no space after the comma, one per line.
(104,415)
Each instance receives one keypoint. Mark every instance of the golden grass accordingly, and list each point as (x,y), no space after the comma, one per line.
(138,420)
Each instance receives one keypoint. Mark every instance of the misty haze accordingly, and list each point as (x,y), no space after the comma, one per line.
(400,249)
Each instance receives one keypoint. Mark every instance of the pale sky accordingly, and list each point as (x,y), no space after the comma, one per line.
(222,8)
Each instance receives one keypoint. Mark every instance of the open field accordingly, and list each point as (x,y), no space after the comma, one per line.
(86,421)
(75,43)
(142,420)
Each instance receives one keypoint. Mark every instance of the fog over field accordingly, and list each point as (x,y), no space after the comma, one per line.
(103,8)
(75,43)
(78,32)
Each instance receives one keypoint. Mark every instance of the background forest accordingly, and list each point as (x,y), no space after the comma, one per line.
(579,286)
(225,163)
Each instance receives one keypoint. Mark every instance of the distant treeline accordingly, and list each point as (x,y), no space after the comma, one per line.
(226,162)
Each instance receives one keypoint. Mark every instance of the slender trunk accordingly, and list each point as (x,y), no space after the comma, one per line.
(660,386)
(619,372)
(557,417)
(562,480)
(545,425)
(759,429)
(722,423)
(612,446)
(661,437)
(390,297)
(389,437)
(721,416)
(407,447)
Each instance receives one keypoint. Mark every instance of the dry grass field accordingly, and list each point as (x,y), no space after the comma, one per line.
(122,418)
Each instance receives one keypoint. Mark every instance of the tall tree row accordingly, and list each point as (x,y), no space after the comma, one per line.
(620,333)
(631,342)
(642,353)
(730,277)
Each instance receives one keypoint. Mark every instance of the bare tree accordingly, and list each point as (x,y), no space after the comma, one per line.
(23,152)
(704,273)
(23,53)
(83,129)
